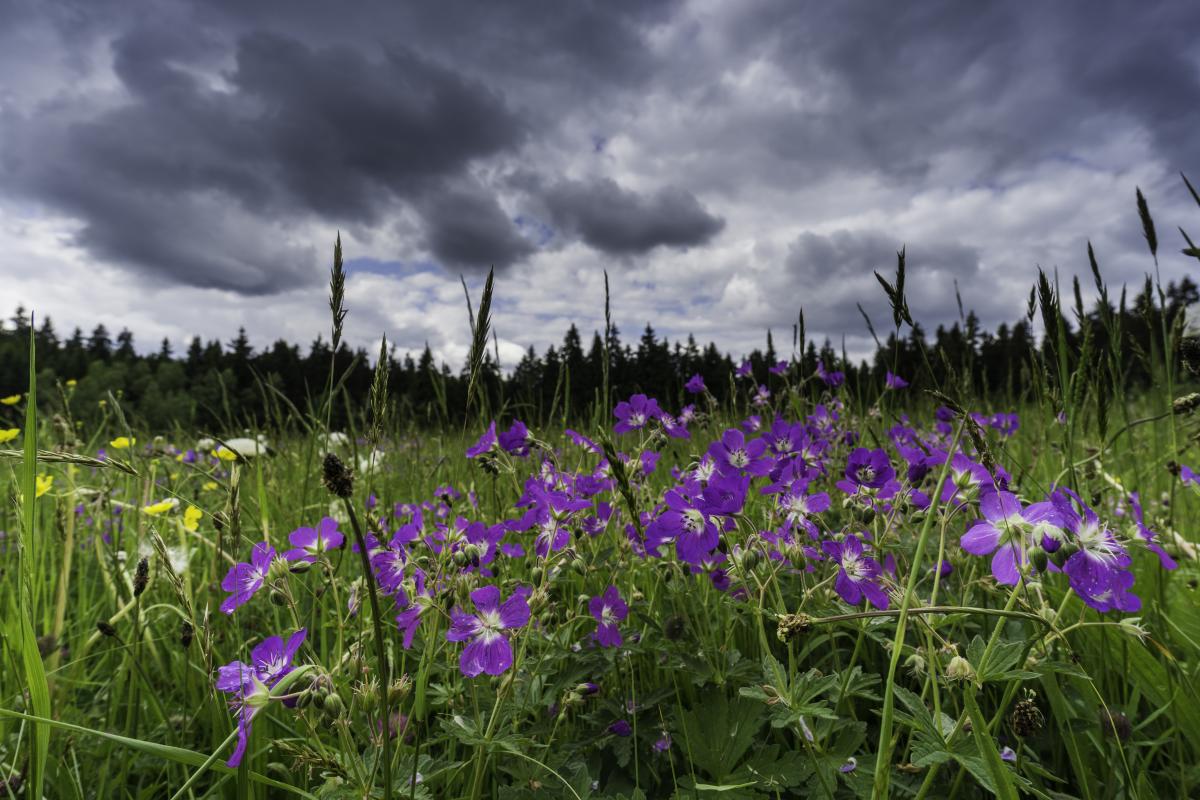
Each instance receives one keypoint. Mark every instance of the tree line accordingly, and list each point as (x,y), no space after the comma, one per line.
(226,386)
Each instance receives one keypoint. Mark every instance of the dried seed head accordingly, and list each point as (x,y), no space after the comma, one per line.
(338,478)
(105,628)
(1114,723)
(1026,718)
(1186,404)
(186,634)
(141,576)
(792,625)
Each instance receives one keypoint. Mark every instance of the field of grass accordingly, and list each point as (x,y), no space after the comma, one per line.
(800,595)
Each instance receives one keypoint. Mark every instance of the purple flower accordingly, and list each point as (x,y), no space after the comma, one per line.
(732,454)
(693,531)
(695,384)
(780,368)
(485,443)
(620,728)
(849,766)
(635,413)
(515,440)
(1188,475)
(488,649)
(1006,424)
(308,543)
(244,579)
(663,743)
(797,506)
(409,618)
(251,684)
(743,370)
(831,379)
(608,609)
(893,381)
(1098,568)
(762,396)
(1148,535)
(582,441)
(866,469)
(1008,754)
(858,575)
(1006,531)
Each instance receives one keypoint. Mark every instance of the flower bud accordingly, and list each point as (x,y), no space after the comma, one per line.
(959,669)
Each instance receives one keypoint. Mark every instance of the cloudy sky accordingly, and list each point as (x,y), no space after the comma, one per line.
(182,168)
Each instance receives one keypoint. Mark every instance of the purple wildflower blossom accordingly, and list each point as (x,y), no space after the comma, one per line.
(684,522)
(695,384)
(246,578)
(732,453)
(608,609)
(866,469)
(1148,535)
(832,379)
(485,443)
(1005,530)
(515,440)
(308,543)
(744,370)
(621,728)
(635,413)
(858,575)
(488,649)
(251,684)
(780,368)
(893,381)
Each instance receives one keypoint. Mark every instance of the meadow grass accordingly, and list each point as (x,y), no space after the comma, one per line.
(747,667)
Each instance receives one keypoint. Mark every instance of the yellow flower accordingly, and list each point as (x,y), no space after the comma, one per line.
(11,400)
(209,486)
(161,507)
(72,383)
(44,482)
(8,434)
(225,454)
(122,442)
(191,518)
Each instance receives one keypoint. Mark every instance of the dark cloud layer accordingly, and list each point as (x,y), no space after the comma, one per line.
(622,222)
(210,144)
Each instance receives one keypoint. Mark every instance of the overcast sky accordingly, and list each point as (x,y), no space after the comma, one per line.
(182,168)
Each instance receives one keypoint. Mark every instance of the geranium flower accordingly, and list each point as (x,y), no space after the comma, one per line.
(485,442)
(1005,530)
(251,684)
(308,543)
(893,381)
(635,413)
(858,575)
(695,384)
(244,579)
(488,649)
(608,609)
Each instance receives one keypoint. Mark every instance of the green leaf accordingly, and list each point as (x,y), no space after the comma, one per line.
(720,732)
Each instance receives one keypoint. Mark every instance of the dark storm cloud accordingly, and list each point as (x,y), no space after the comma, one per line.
(622,222)
(467,229)
(296,133)
(230,135)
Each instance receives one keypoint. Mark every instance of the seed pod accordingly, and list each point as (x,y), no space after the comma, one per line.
(792,625)
(186,634)
(141,576)
(959,669)
(105,628)
(675,627)
(1026,718)
(337,477)
(333,705)
(1114,723)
